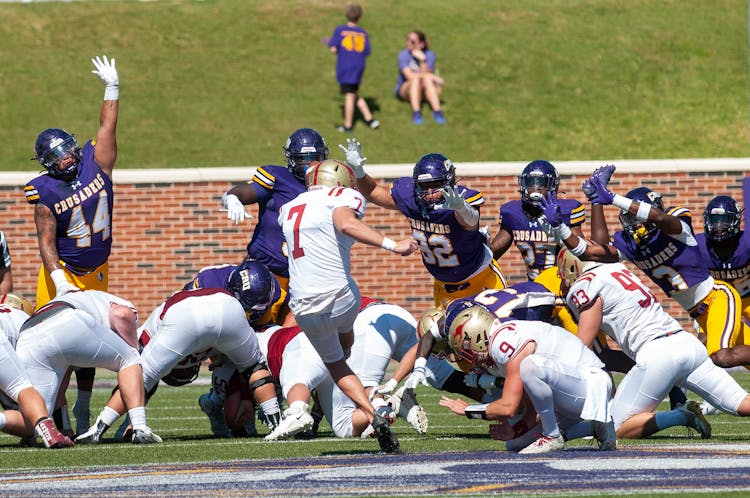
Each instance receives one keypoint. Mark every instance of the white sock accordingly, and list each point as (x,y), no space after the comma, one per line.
(138,417)
(108,416)
(271,406)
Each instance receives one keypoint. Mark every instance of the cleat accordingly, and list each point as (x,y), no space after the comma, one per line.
(605,434)
(696,420)
(145,436)
(295,420)
(50,436)
(386,438)
(83,418)
(215,414)
(709,409)
(94,434)
(124,433)
(404,403)
(544,444)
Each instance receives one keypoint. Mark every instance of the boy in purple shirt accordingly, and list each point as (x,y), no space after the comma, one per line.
(352,45)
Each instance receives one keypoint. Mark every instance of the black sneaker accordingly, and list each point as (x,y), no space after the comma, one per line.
(386,438)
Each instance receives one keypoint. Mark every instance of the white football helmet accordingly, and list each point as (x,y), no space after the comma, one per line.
(17,302)
(329,173)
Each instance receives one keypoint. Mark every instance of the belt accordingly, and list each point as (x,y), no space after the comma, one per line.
(47,311)
(666,335)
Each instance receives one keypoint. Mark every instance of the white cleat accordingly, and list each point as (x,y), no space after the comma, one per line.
(709,409)
(295,421)
(544,444)
(145,436)
(404,403)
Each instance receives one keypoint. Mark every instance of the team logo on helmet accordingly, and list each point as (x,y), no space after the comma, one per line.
(253,285)
(302,147)
(329,173)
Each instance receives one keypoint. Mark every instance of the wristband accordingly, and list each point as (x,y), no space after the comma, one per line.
(420,363)
(112,92)
(643,209)
(563,231)
(468,214)
(622,202)
(476,411)
(388,244)
(580,248)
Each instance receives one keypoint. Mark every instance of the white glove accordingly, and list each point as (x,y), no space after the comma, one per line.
(386,388)
(62,286)
(354,159)
(417,377)
(235,209)
(105,69)
(452,199)
(470,379)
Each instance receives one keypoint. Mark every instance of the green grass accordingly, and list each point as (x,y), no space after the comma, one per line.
(174,414)
(223,82)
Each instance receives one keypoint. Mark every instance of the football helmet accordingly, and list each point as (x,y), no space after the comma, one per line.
(53,146)
(302,147)
(186,371)
(329,173)
(469,333)
(722,217)
(17,302)
(640,231)
(570,266)
(253,285)
(538,174)
(432,173)
(433,318)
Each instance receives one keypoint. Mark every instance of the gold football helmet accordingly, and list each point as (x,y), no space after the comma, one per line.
(17,302)
(329,173)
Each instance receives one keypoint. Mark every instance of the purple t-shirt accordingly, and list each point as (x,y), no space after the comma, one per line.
(353,45)
(406,60)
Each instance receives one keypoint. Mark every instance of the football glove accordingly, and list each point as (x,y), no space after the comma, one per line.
(62,286)
(601,194)
(551,209)
(235,209)
(386,388)
(353,152)
(105,69)
(417,377)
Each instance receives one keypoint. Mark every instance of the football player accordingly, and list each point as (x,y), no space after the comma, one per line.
(6,277)
(725,247)
(77,328)
(320,226)
(522,222)
(73,215)
(31,415)
(444,218)
(196,321)
(661,243)
(610,297)
(561,376)
(271,187)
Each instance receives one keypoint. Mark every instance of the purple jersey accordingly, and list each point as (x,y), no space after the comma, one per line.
(673,263)
(353,47)
(735,270)
(405,60)
(449,252)
(274,186)
(533,237)
(522,301)
(83,210)
(217,277)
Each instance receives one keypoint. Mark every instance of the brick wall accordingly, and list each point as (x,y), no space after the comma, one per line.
(164,232)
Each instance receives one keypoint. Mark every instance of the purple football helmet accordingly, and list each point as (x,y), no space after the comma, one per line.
(53,146)
(721,219)
(538,174)
(641,231)
(302,147)
(432,173)
(253,285)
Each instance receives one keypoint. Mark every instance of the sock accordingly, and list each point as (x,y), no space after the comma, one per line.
(670,419)
(270,407)
(579,430)
(299,405)
(108,416)
(138,417)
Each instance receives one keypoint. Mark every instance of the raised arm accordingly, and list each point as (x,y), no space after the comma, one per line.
(374,193)
(105,152)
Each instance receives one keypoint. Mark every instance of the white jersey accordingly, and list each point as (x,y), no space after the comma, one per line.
(94,302)
(631,315)
(510,336)
(319,259)
(11,320)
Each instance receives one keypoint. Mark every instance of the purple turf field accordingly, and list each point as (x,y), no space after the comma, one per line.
(578,471)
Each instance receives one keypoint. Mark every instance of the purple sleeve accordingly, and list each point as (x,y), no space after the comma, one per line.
(335,39)
(746,198)
(431,59)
